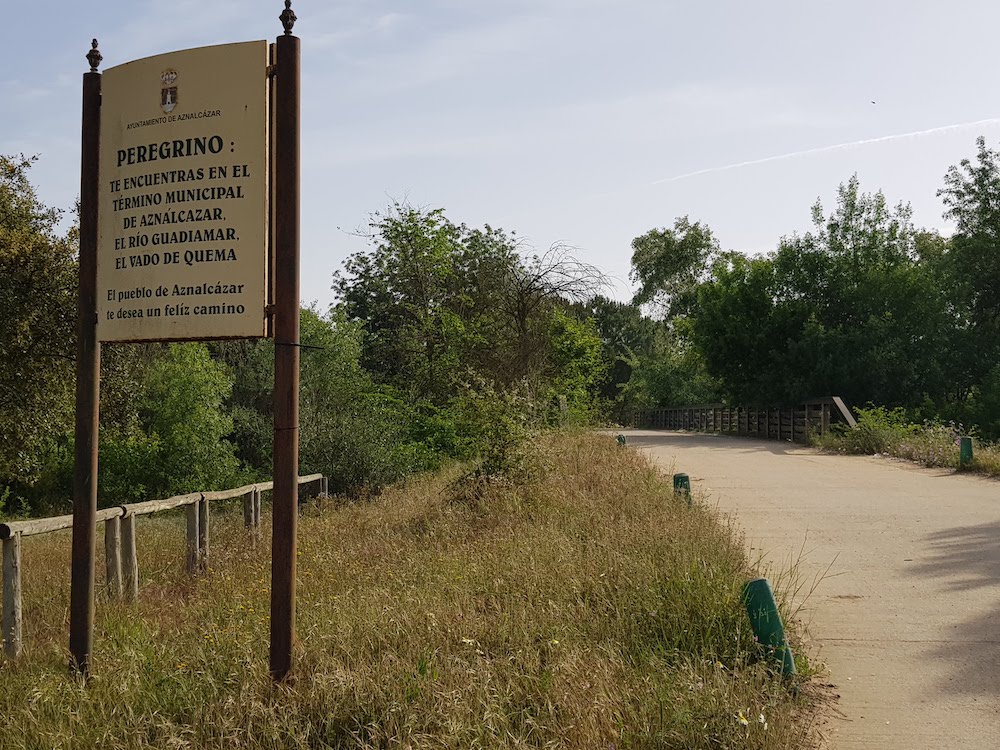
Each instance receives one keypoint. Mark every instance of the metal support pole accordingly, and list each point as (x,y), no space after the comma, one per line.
(284,501)
(88,373)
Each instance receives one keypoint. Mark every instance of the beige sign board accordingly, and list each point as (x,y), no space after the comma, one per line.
(182,243)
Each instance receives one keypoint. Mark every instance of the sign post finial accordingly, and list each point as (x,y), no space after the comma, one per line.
(288,17)
(94,57)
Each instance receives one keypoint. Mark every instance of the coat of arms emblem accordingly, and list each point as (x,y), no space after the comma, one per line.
(168,93)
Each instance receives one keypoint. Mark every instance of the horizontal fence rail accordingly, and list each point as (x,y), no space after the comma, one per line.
(121,561)
(790,423)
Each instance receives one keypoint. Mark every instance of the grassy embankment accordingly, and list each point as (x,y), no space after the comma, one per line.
(887,432)
(589,608)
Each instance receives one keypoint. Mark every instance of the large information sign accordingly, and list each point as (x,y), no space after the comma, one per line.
(182,244)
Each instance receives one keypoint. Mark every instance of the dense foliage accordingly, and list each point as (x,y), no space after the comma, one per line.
(451,341)
(38,307)
(864,306)
(444,342)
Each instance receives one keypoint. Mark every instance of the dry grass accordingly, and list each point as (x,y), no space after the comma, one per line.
(986,459)
(590,609)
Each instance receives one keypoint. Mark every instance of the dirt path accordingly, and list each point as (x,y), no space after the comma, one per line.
(906,615)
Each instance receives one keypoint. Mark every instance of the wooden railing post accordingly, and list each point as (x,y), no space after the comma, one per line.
(12,596)
(192,538)
(248,509)
(130,562)
(113,556)
(256,508)
(203,514)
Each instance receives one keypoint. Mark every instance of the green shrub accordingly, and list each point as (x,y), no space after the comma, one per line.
(500,431)
(362,446)
(877,431)
(889,431)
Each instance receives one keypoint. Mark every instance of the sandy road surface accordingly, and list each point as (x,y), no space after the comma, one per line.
(906,614)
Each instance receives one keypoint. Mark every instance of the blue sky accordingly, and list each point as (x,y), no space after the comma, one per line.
(584,122)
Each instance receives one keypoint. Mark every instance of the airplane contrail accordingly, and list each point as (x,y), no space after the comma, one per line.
(826,149)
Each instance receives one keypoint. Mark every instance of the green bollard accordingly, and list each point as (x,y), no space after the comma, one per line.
(620,439)
(682,485)
(964,452)
(766,622)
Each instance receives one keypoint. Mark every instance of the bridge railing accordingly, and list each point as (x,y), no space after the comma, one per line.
(790,423)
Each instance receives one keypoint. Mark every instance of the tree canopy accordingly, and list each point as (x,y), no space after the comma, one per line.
(864,306)
(453,341)
(38,307)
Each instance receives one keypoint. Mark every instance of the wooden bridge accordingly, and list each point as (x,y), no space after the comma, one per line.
(794,424)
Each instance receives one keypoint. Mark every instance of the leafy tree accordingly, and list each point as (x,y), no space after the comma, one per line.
(668,265)
(627,339)
(533,291)
(846,309)
(250,402)
(440,302)
(577,364)
(742,331)
(672,373)
(971,263)
(420,294)
(350,430)
(181,443)
(37,340)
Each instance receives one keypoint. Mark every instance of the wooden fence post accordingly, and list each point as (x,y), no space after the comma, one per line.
(248,509)
(192,538)
(130,562)
(12,596)
(256,508)
(203,513)
(113,556)
(324,487)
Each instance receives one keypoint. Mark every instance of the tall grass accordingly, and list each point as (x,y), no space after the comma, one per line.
(588,608)
(889,432)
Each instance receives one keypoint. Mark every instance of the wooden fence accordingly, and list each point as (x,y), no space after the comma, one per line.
(121,561)
(791,423)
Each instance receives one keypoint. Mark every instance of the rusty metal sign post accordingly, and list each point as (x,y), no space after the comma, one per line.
(285,509)
(283,324)
(88,380)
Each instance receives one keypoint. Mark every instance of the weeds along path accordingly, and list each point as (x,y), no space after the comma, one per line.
(899,569)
